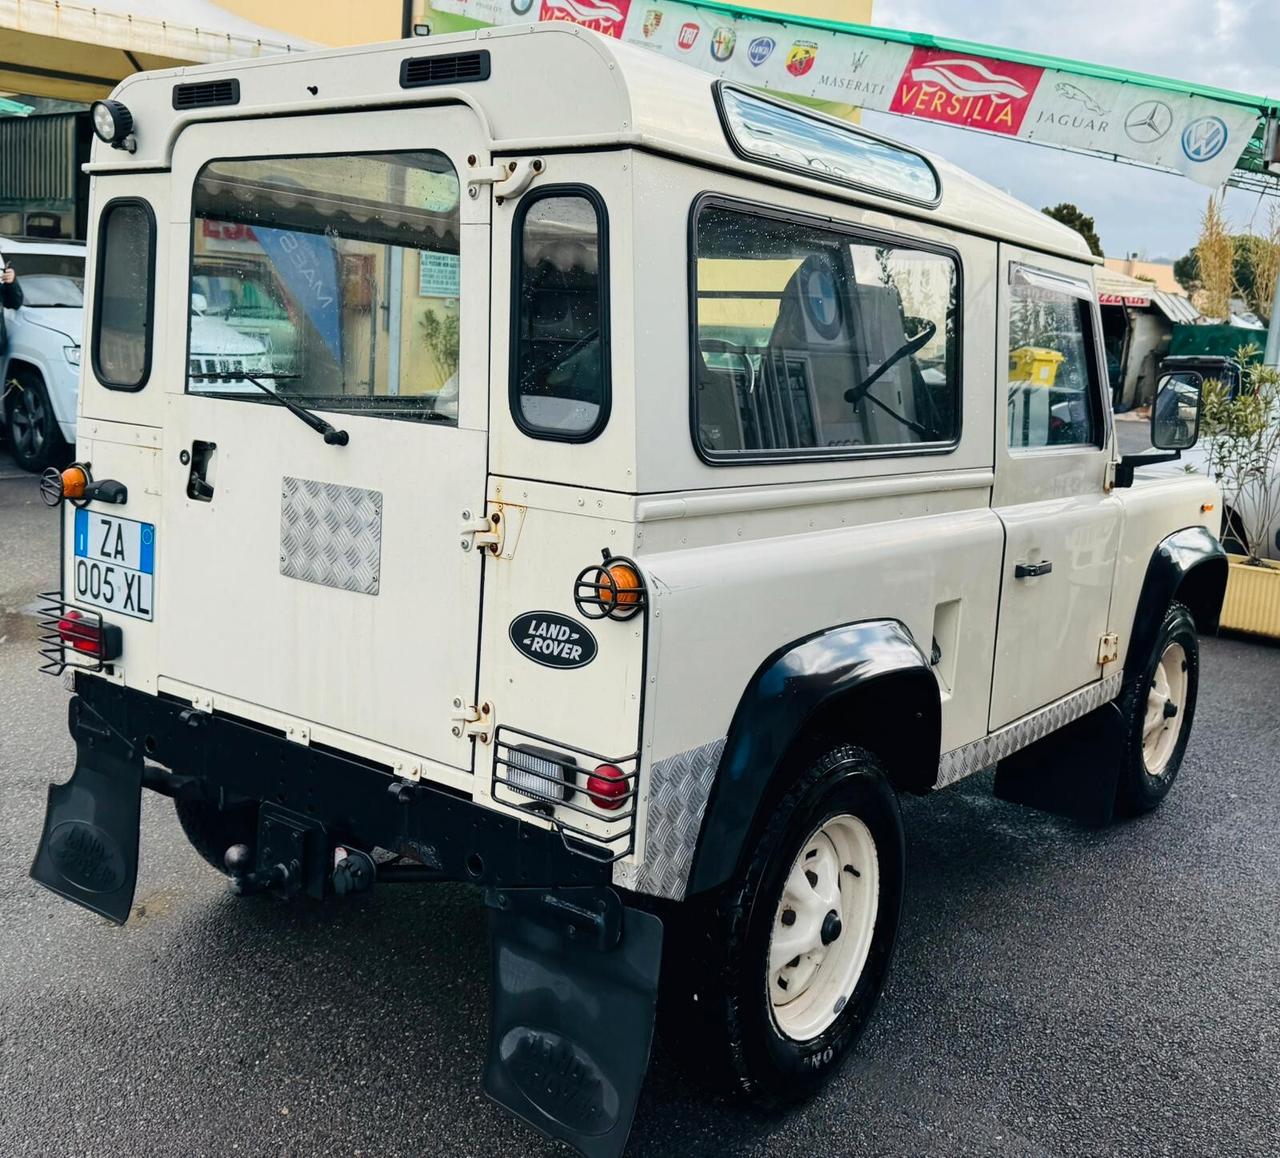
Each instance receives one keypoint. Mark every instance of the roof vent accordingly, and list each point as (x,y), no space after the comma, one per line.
(457,68)
(206,93)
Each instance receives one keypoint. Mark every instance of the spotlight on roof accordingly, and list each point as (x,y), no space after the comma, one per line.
(113,123)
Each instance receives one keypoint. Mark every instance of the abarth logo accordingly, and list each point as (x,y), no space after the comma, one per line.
(1148,122)
(760,49)
(722,42)
(1204,139)
(801,57)
(607,16)
(652,22)
(552,639)
(688,36)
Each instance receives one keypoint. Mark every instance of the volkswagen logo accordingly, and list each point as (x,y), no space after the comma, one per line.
(1204,139)
(1148,122)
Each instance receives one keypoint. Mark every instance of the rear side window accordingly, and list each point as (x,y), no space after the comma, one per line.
(560,316)
(123,301)
(1053,373)
(817,341)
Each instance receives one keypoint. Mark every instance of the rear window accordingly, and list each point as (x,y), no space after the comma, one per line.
(817,341)
(560,322)
(123,301)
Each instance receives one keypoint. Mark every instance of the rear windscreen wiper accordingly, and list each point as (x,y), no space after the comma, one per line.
(332,436)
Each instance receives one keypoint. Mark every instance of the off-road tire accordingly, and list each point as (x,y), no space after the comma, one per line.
(212,830)
(716,1006)
(36,441)
(1139,790)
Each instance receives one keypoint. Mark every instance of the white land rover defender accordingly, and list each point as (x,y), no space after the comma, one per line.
(651,483)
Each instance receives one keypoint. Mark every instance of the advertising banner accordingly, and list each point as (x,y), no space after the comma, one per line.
(1198,136)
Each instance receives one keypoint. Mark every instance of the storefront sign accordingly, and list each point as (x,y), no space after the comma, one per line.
(1198,136)
(1133,302)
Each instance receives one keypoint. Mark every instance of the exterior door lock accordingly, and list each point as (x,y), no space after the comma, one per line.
(1032,570)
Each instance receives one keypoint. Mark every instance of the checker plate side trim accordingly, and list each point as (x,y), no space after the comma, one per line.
(1012,737)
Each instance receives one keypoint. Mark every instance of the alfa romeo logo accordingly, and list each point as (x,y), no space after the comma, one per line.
(1148,122)
(1204,139)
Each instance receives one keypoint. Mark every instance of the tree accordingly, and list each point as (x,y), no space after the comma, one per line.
(1072,218)
(1254,266)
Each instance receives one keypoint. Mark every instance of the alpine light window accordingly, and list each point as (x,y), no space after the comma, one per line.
(332,280)
(820,342)
(783,136)
(123,303)
(560,322)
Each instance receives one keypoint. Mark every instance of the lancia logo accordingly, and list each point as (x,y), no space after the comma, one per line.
(552,639)
(1148,122)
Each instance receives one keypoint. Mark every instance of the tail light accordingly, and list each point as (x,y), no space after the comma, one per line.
(608,787)
(103,641)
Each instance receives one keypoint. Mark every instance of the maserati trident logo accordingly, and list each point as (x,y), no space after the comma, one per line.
(1148,122)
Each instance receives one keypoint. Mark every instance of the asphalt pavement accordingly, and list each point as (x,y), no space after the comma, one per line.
(1057,990)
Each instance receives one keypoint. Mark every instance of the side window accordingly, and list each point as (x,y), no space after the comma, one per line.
(814,340)
(123,302)
(1053,373)
(560,315)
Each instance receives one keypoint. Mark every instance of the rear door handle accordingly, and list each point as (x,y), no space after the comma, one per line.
(1031,570)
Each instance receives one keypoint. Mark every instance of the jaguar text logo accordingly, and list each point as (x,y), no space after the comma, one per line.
(966,90)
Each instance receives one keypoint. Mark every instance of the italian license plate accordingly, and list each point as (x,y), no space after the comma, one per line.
(114,563)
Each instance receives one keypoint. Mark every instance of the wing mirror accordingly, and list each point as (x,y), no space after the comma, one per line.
(1175,413)
(199,303)
(1175,423)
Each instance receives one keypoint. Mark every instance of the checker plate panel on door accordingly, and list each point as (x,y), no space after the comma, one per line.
(330,534)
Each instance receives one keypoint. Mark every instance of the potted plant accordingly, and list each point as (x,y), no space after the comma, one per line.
(1242,437)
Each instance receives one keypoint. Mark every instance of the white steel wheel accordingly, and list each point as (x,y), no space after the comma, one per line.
(823,927)
(1166,700)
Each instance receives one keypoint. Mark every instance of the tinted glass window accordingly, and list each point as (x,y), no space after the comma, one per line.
(122,328)
(560,360)
(1052,372)
(333,280)
(809,339)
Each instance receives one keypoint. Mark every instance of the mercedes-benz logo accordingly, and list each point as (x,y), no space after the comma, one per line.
(1148,122)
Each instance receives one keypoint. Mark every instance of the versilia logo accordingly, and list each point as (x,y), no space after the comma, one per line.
(966,90)
(607,16)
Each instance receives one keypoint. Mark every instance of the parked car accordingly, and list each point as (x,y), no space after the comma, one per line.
(42,371)
(672,482)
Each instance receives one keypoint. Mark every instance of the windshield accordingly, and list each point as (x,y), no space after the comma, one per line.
(336,278)
(50,279)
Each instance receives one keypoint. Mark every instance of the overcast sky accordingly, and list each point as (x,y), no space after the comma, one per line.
(1234,44)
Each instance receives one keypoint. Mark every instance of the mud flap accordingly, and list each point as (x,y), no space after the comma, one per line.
(575,983)
(89,848)
(1072,772)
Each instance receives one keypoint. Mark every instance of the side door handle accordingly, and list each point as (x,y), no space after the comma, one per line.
(1031,570)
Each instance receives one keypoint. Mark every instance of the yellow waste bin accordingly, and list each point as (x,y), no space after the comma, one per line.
(1034,365)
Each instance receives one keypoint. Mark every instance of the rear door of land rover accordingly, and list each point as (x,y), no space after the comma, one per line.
(337,261)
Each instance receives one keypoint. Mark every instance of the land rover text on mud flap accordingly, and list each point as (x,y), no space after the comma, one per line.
(635,506)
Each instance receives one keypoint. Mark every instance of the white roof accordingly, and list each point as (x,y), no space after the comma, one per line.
(552,85)
(41,245)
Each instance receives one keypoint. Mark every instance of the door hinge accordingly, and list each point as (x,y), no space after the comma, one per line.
(508,178)
(484,532)
(472,721)
(1108,649)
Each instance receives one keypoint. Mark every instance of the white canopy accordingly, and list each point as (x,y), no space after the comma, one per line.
(79,50)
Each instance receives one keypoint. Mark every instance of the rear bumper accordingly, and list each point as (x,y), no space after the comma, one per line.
(355,802)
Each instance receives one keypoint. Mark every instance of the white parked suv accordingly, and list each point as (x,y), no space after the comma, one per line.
(41,375)
(42,369)
(663,480)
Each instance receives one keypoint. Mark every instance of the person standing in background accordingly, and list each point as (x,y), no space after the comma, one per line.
(10,299)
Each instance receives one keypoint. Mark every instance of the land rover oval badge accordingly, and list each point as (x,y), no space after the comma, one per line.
(552,639)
